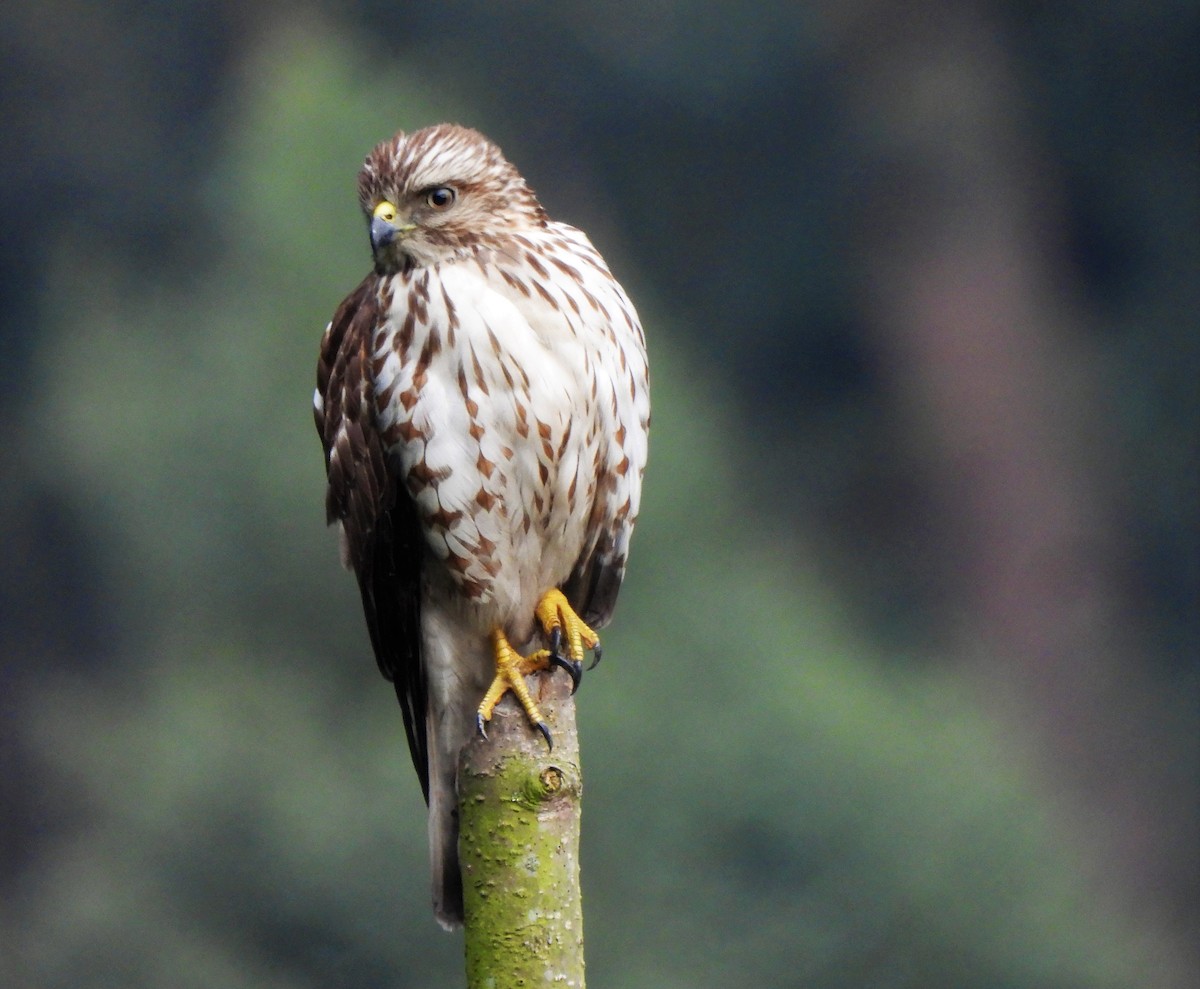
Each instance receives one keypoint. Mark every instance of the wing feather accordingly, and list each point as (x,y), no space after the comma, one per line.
(381,537)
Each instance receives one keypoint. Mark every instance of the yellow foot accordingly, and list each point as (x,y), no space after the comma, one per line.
(511,669)
(559,620)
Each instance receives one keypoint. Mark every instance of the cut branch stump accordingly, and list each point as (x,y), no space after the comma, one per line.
(519,806)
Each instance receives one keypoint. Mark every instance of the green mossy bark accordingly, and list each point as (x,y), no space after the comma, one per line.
(519,846)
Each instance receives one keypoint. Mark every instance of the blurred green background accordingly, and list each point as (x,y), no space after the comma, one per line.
(902,688)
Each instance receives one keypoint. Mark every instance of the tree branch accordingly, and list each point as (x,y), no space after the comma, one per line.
(519,846)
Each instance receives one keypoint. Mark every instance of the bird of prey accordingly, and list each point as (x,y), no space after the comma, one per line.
(483,402)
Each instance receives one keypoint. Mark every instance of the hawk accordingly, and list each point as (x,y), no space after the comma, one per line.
(483,402)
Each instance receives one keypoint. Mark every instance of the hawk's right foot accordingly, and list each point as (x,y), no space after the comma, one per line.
(511,670)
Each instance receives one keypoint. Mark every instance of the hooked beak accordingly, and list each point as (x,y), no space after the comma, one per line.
(384,228)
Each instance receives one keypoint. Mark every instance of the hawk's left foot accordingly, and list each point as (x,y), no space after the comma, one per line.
(559,620)
(511,670)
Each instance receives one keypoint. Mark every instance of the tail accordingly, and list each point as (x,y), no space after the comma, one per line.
(443,836)
(458,667)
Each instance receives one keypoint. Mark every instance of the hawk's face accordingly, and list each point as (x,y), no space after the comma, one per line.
(432,194)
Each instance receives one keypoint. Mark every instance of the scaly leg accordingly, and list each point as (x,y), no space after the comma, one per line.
(511,670)
(559,620)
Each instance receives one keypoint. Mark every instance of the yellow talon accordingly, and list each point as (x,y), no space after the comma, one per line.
(556,615)
(559,620)
(511,670)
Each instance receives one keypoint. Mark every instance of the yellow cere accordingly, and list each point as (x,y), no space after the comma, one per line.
(385,211)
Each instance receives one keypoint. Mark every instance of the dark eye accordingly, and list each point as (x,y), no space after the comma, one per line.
(440,198)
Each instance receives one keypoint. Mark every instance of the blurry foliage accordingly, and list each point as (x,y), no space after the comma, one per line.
(231,804)
(1108,97)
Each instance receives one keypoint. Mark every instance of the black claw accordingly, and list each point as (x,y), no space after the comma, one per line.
(541,726)
(574,669)
(479,724)
(596,654)
(556,640)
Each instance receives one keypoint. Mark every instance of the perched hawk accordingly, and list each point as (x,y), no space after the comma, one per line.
(483,401)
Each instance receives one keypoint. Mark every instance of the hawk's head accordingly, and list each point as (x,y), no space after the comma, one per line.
(431,194)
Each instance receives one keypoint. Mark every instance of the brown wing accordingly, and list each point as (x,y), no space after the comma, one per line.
(593,585)
(380,530)
(592,588)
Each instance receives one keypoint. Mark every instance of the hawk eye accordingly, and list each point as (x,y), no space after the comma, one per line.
(440,198)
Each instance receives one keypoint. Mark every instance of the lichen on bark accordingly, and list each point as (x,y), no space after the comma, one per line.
(519,805)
